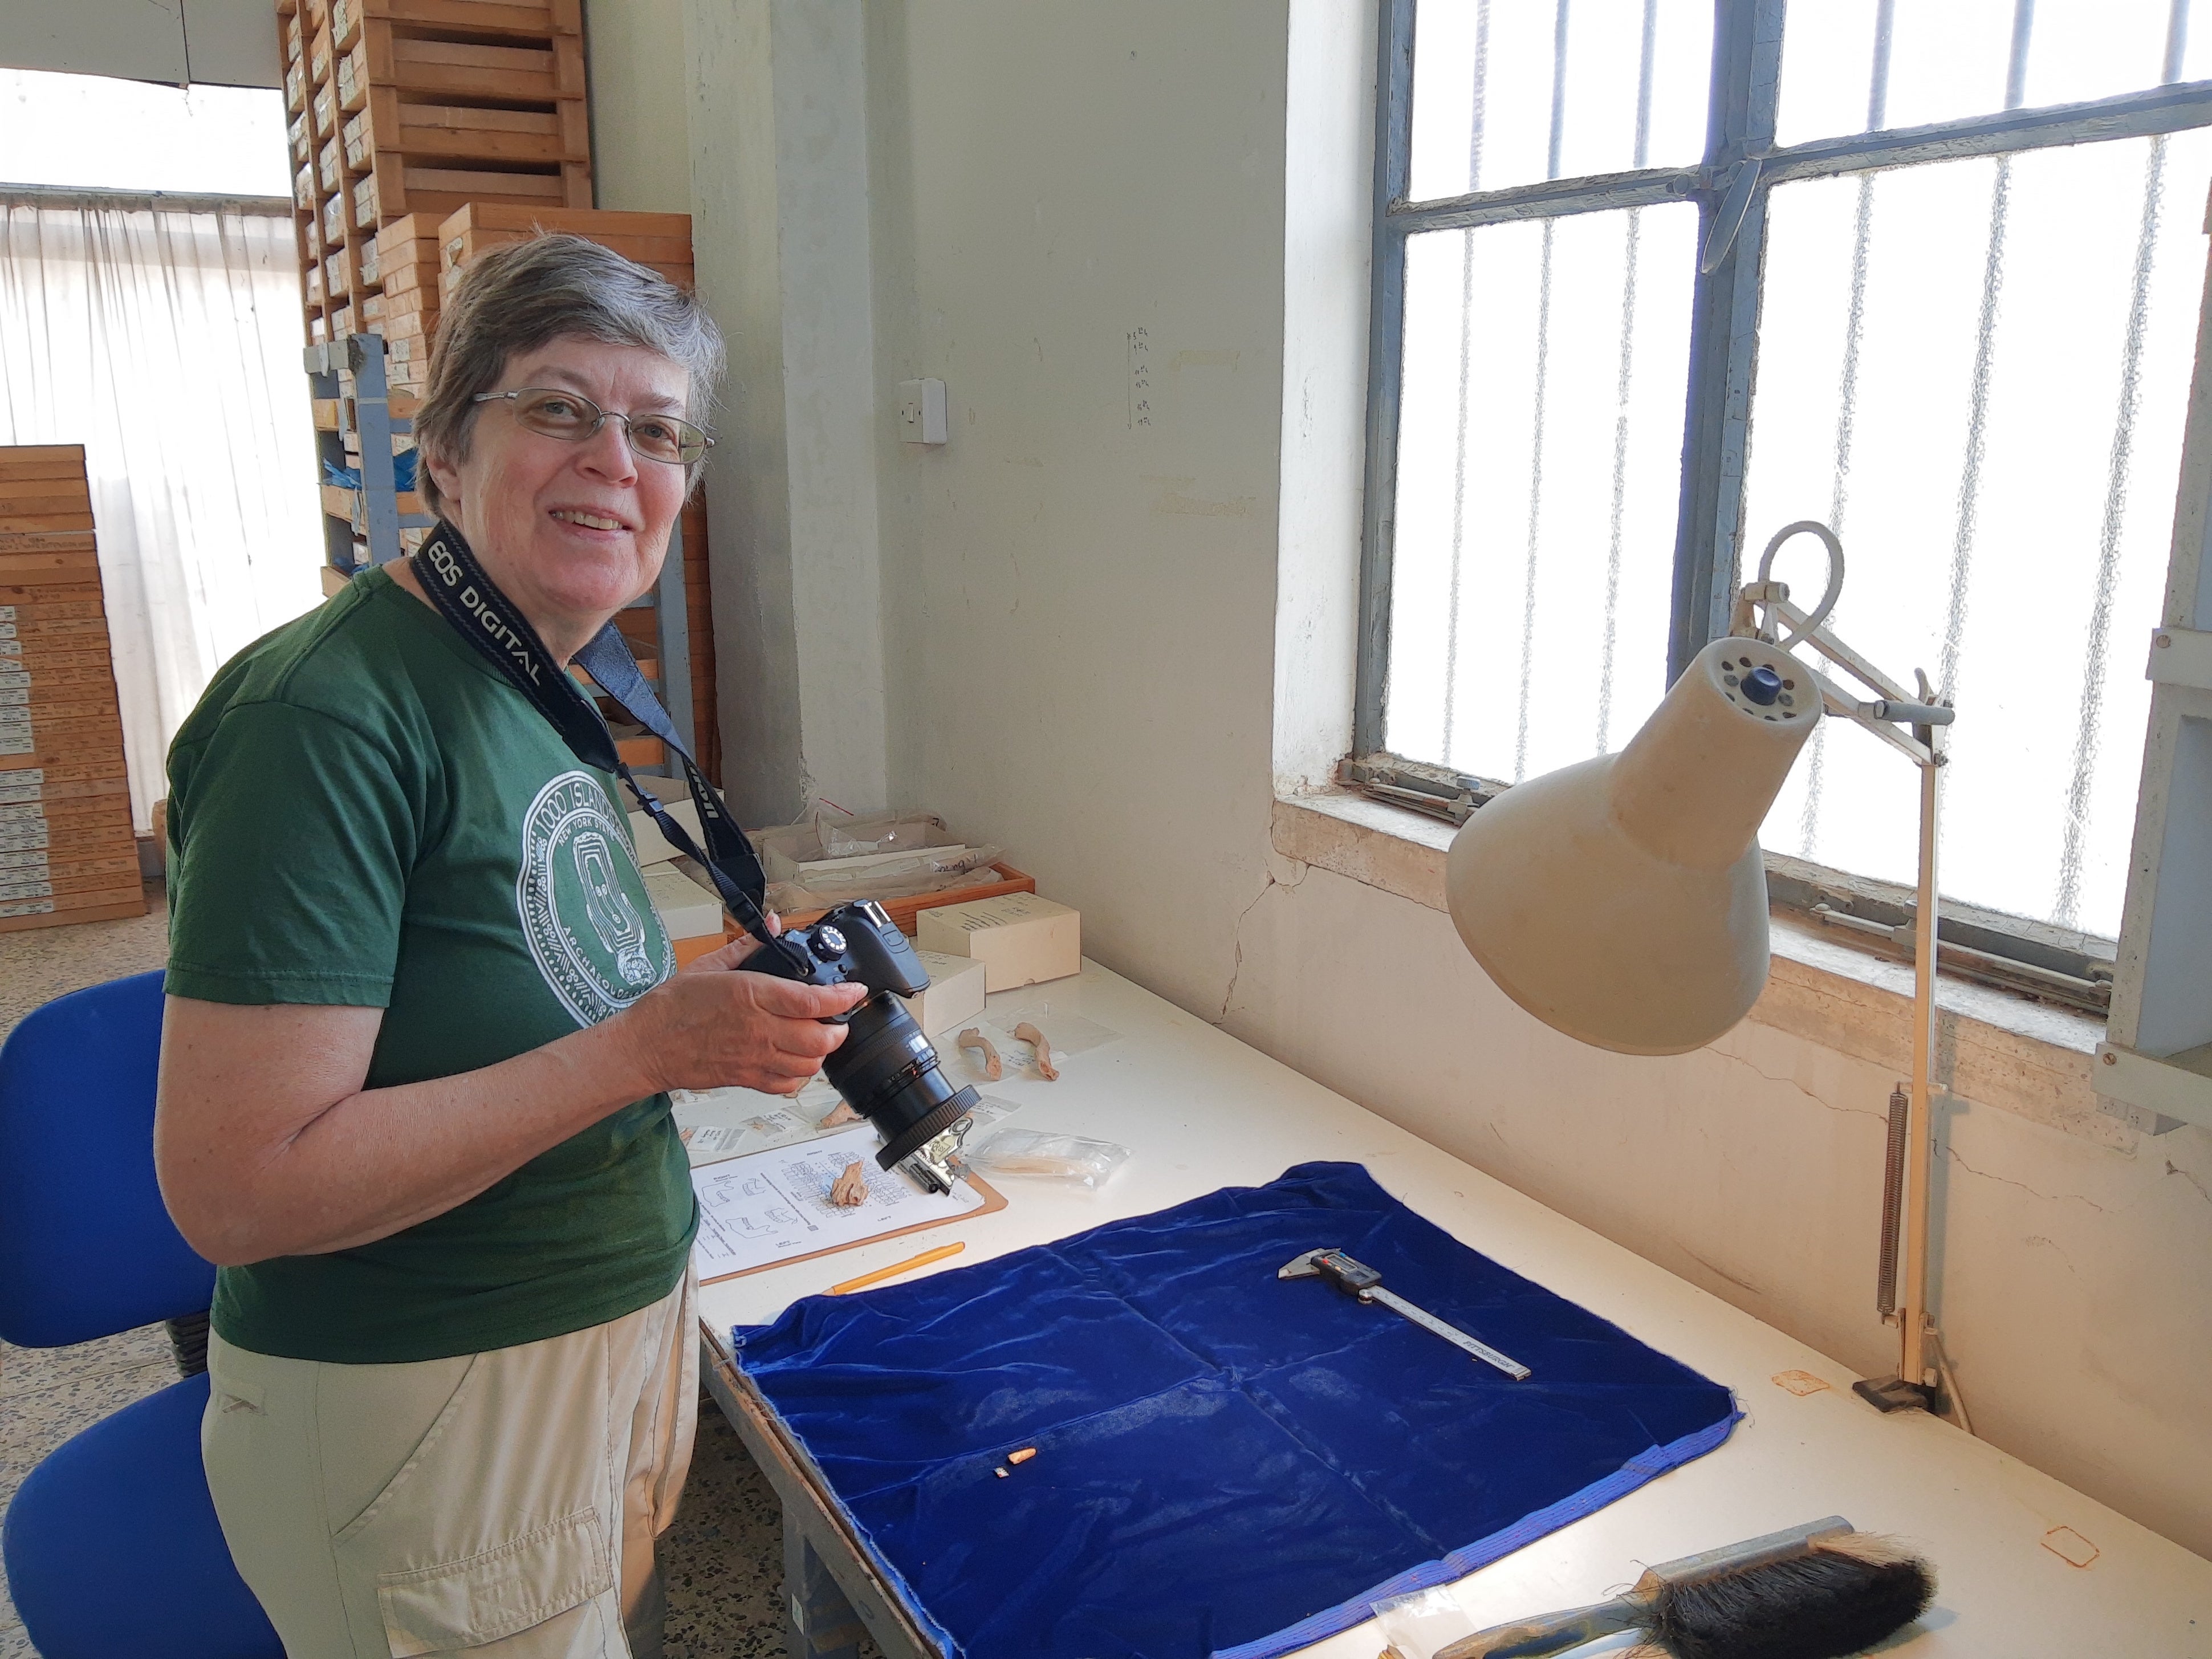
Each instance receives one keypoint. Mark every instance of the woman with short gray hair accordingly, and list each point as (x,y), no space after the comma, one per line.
(421,1024)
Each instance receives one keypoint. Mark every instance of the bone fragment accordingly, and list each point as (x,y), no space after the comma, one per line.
(1027,1033)
(850,1190)
(1023,1456)
(840,1115)
(973,1037)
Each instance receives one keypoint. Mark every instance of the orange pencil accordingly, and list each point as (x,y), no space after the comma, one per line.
(896,1268)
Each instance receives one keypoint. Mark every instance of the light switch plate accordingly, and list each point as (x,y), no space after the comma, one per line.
(921,411)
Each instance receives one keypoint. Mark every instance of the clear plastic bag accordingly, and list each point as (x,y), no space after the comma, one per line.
(859,837)
(788,851)
(1055,1157)
(1417,1624)
(924,872)
(820,863)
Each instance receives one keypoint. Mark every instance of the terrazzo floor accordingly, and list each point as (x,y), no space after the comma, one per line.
(722,1560)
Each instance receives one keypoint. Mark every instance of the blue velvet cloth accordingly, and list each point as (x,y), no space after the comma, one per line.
(1226,1462)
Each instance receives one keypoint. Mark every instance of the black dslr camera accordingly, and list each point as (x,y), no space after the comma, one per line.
(885,1069)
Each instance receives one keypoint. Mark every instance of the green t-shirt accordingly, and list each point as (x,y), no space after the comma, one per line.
(362,812)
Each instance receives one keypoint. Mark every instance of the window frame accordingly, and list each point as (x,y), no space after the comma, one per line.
(1731,187)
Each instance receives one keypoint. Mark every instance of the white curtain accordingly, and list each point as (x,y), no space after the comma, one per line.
(167,340)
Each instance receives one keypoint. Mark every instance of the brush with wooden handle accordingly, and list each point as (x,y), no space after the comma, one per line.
(1818,1592)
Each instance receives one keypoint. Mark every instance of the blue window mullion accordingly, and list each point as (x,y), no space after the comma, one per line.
(1386,329)
(1724,330)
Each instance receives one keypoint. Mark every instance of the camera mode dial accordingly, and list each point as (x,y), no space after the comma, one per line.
(827,943)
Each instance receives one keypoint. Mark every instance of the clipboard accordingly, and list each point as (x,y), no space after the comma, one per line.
(768,1202)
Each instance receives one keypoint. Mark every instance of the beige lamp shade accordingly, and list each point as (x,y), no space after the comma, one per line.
(1623,901)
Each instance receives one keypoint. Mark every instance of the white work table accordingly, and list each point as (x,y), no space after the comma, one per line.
(1201,1110)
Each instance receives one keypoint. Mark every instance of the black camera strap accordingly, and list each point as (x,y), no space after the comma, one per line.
(487,619)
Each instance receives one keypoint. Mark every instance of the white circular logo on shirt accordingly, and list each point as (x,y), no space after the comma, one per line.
(582,903)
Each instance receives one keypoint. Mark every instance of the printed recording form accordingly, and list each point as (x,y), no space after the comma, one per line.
(774,1206)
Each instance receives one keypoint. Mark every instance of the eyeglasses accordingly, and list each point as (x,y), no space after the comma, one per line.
(574,417)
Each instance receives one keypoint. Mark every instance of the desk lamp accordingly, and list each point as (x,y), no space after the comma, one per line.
(1623,900)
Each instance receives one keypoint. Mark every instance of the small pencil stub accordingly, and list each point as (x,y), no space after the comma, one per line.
(850,1190)
(1023,1456)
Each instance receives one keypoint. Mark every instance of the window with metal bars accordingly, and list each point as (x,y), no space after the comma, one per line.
(1654,277)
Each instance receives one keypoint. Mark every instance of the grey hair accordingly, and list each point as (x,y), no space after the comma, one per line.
(516,298)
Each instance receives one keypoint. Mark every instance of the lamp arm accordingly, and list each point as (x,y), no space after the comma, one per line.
(1784,625)
(1838,700)
(1892,704)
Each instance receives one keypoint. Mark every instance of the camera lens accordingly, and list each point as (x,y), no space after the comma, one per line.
(888,1072)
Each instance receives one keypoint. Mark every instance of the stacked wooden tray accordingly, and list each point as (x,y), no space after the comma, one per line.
(413,108)
(661,241)
(67,853)
(409,298)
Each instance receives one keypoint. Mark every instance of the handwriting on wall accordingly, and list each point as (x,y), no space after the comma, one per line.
(1141,378)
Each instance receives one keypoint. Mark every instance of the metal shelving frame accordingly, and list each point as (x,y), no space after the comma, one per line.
(367,415)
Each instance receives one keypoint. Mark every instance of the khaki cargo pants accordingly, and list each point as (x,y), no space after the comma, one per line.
(499,1504)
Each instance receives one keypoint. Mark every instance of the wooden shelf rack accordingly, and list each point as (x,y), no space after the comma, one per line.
(406,110)
(67,850)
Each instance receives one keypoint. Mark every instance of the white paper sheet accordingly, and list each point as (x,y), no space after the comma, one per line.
(770,1206)
(708,1142)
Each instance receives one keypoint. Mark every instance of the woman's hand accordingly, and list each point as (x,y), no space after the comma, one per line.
(715,1026)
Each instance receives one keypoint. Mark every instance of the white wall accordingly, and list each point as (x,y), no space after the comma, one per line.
(641,130)
(779,197)
(749,115)
(1102,642)
(1078,609)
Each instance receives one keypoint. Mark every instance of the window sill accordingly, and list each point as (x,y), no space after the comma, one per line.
(1992,1046)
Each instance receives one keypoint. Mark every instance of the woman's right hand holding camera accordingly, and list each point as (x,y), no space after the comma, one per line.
(731,1029)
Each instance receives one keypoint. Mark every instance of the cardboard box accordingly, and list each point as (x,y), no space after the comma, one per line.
(692,914)
(1019,937)
(652,847)
(955,996)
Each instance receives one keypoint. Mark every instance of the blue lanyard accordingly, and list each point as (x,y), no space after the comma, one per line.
(487,619)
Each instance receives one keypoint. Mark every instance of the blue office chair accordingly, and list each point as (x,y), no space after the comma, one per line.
(111,1545)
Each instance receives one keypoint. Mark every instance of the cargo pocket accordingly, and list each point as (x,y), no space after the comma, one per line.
(498,1592)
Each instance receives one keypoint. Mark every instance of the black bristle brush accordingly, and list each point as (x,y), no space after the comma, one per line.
(1818,1592)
